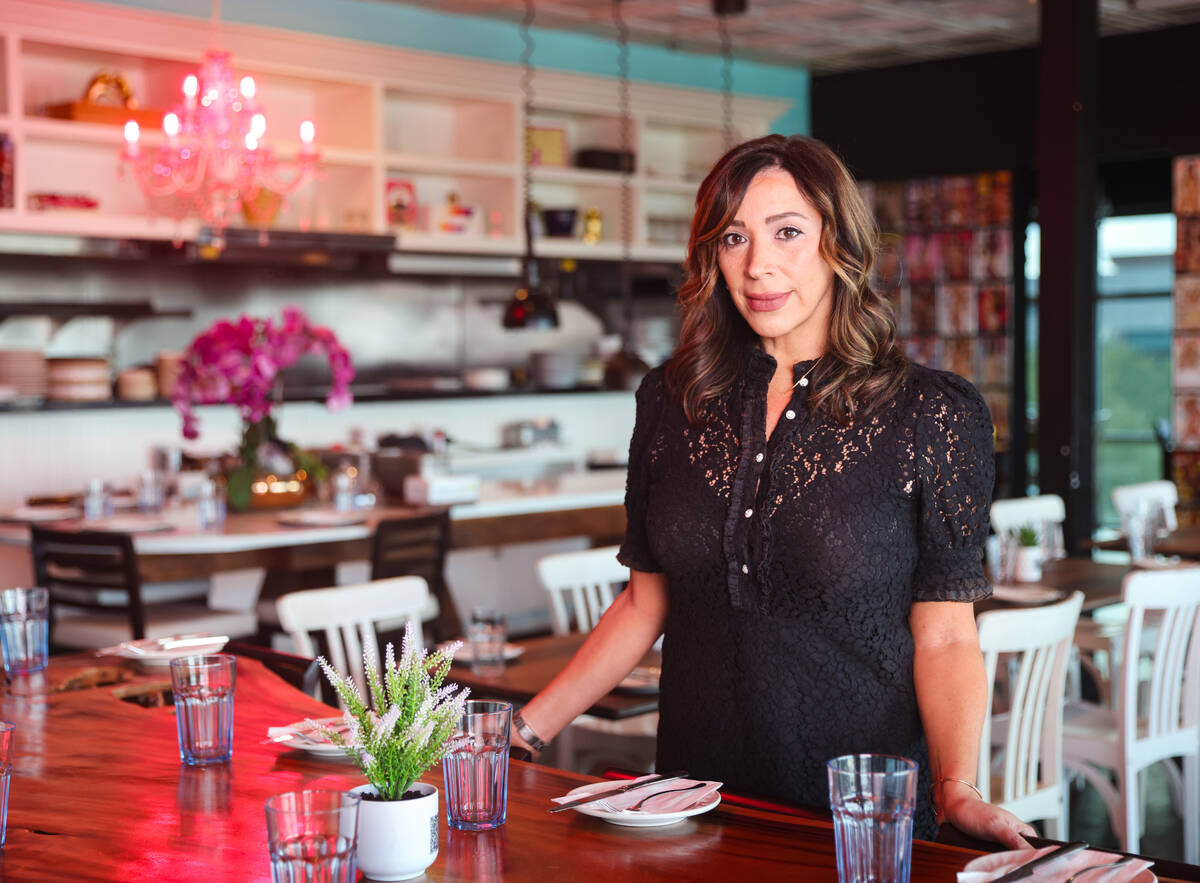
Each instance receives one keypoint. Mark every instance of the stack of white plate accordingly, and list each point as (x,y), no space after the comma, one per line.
(23,371)
(555,369)
(79,380)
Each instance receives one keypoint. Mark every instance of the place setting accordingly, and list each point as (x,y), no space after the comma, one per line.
(160,651)
(646,802)
(310,736)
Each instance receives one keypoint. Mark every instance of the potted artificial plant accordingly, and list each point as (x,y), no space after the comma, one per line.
(1029,554)
(395,734)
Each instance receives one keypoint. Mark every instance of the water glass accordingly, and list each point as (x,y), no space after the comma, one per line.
(25,630)
(97,502)
(7,731)
(1141,530)
(487,634)
(210,506)
(313,836)
(150,493)
(476,769)
(872,797)
(203,690)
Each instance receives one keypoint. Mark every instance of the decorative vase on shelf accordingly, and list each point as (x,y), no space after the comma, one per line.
(239,363)
(397,839)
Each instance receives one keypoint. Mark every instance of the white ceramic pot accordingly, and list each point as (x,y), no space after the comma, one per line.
(1029,564)
(397,839)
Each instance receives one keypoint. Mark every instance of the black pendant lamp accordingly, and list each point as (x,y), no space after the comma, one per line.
(531,305)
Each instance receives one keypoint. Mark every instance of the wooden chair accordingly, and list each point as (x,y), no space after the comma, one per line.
(1162,494)
(585,581)
(1030,733)
(347,617)
(97,599)
(1152,721)
(417,547)
(580,586)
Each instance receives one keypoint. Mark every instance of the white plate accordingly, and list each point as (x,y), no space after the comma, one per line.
(317,744)
(153,655)
(321,518)
(40,513)
(640,818)
(1027,594)
(128,524)
(465,654)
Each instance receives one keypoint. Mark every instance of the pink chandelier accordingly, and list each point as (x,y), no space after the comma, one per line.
(213,160)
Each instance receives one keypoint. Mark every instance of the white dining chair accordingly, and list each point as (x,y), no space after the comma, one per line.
(580,585)
(1153,720)
(1037,641)
(348,617)
(1163,494)
(1009,515)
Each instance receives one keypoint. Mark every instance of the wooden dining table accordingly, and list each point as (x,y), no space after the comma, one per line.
(98,793)
(1183,541)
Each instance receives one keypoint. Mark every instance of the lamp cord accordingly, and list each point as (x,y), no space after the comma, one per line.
(626,135)
(726,80)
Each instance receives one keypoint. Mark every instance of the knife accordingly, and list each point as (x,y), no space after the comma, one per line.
(1027,869)
(621,789)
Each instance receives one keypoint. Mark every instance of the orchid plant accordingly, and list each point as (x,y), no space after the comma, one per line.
(406,723)
(239,363)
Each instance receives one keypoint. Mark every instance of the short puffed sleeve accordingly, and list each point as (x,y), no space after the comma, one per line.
(635,552)
(956,471)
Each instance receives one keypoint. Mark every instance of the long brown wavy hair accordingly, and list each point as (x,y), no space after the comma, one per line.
(863,366)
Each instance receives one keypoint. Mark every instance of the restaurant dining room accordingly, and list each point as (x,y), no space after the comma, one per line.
(548,440)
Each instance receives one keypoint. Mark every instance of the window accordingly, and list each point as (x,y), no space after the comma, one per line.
(1134,318)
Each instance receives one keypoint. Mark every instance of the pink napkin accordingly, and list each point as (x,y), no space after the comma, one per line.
(676,802)
(990,867)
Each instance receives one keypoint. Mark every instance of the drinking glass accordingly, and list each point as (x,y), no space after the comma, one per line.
(1141,530)
(25,629)
(97,502)
(313,835)
(487,633)
(203,691)
(150,493)
(872,797)
(476,769)
(7,731)
(210,507)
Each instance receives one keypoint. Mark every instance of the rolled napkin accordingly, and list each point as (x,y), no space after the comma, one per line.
(305,731)
(991,867)
(676,802)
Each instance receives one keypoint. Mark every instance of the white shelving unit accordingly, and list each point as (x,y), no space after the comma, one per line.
(387,120)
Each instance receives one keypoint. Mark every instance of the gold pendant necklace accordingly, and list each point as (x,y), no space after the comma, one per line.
(803,381)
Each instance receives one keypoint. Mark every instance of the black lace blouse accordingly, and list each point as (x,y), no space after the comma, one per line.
(792,562)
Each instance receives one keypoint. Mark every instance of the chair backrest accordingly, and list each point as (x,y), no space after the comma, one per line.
(76,566)
(347,616)
(1163,627)
(583,578)
(417,547)
(1163,493)
(1011,514)
(1040,638)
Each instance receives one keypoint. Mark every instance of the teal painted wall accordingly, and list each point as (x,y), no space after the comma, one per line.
(394,24)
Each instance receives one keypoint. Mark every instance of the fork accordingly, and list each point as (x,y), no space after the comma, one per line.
(648,797)
(1110,865)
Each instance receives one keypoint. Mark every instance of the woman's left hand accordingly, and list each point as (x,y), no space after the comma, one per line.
(987,822)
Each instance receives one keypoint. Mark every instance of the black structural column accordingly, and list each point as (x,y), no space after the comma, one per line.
(1066,167)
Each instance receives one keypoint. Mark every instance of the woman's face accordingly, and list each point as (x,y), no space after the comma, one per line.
(770,258)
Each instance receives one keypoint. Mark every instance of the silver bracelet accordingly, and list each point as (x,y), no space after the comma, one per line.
(525,732)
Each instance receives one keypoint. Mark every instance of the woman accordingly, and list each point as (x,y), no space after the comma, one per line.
(806,513)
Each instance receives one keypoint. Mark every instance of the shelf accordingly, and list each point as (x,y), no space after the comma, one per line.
(457,244)
(686,186)
(66,309)
(583,177)
(448,165)
(363,398)
(70,222)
